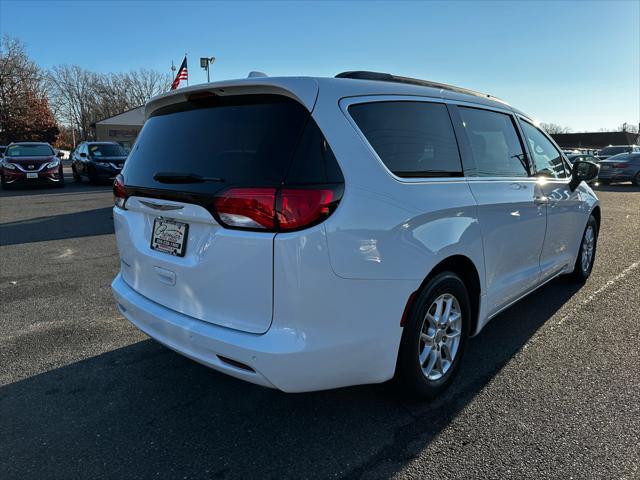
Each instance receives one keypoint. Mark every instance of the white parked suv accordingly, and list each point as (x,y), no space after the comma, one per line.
(312,233)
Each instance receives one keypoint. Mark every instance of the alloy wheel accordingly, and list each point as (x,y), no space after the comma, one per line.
(440,336)
(588,244)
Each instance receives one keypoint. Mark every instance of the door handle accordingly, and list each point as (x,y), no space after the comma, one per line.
(541,200)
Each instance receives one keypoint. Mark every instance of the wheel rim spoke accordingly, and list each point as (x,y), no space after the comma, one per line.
(453,334)
(440,336)
(431,361)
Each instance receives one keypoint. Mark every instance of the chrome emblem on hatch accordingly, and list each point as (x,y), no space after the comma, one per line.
(159,206)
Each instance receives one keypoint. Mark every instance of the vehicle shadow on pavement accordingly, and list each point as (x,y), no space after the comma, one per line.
(143,411)
(57,227)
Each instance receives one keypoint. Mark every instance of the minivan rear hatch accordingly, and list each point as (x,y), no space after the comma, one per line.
(175,249)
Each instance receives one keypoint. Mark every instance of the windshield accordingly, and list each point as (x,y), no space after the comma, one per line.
(106,150)
(613,150)
(29,151)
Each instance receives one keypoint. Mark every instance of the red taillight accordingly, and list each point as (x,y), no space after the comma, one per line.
(119,192)
(620,165)
(274,209)
(301,207)
(247,207)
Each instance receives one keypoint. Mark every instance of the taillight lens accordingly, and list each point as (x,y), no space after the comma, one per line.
(252,208)
(275,210)
(620,165)
(119,193)
(299,208)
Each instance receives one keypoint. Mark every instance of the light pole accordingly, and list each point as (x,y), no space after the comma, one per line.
(205,62)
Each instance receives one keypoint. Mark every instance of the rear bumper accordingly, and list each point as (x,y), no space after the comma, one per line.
(617,174)
(280,358)
(197,340)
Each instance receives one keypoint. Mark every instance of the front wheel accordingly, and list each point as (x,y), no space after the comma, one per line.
(587,252)
(434,337)
(636,180)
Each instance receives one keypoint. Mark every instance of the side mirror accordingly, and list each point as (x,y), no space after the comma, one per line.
(583,171)
(83,155)
(60,154)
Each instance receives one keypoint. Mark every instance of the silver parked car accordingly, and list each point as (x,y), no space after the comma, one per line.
(623,167)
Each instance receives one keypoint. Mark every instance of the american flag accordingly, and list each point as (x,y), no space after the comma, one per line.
(183,74)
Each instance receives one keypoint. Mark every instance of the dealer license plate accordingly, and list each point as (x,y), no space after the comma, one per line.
(169,236)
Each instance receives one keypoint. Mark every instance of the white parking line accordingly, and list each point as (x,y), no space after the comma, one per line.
(604,287)
(586,301)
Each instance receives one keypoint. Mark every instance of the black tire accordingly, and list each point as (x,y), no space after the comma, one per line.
(60,184)
(76,175)
(636,180)
(579,273)
(409,371)
(92,180)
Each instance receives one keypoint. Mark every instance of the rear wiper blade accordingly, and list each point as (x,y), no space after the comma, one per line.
(182,177)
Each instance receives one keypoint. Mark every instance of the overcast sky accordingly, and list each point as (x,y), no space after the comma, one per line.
(572,63)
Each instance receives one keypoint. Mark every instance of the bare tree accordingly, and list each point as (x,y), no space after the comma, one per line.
(628,127)
(143,84)
(72,91)
(553,128)
(82,98)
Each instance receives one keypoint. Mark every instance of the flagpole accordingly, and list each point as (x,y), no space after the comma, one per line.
(187,64)
(173,73)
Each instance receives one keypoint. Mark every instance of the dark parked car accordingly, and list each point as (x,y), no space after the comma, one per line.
(31,163)
(623,167)
(97,161)
(612,150)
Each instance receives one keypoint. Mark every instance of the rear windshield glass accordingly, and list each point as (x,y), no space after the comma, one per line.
(29,151)
(106,150)
(413,139)
(248,141)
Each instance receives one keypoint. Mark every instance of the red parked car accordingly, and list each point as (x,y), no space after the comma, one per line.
(31,163)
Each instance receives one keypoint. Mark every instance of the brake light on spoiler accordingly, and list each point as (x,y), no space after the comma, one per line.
(275,209)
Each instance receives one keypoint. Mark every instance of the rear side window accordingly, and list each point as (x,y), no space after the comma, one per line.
(413,139)
(247,140)
(496,148)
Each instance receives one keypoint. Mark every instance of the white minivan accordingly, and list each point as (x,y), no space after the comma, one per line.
(313,233)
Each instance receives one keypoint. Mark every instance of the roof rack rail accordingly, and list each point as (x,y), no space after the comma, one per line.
(387,77)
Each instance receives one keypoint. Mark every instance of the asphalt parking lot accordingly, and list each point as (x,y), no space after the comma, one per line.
(551,388)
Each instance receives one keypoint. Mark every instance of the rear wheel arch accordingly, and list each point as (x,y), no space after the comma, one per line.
(464,267)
